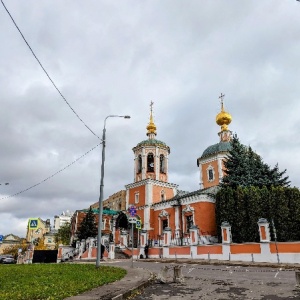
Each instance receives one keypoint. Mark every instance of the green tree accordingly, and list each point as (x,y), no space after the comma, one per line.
(244,168)
(225,205)
(63,235)
(293,196)
(235,165)
(243,207)
(88,226)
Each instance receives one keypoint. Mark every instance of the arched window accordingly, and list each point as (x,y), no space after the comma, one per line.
(162,163)
(162,195)
(150,163)
(210,173)
(139,167)
(189,222)
(136,197)
(164,223)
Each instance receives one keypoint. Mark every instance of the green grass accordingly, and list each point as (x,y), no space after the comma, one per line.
(53,281)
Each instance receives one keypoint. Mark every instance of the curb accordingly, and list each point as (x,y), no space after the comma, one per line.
(134,290)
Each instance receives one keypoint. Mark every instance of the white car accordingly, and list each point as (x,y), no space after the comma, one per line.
(8,260)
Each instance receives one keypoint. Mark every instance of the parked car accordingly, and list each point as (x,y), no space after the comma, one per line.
(8,260)
(5,256)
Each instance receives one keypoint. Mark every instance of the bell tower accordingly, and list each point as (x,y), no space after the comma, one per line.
(211,162)
(151,155)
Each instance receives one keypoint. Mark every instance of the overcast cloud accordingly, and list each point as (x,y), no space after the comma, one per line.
(114,57)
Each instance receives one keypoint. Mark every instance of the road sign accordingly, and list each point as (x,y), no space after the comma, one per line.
(138,224)
(33,223)
(132,211)
(132,220)
(1,238)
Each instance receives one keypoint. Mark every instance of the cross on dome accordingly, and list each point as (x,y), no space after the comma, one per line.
(151,128)
(223,118)
(222,101)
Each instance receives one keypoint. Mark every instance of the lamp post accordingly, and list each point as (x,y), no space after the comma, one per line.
(99,236)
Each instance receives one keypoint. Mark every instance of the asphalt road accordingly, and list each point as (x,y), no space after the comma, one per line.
(211,282)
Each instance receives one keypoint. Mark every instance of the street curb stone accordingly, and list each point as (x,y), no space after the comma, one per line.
(135,279)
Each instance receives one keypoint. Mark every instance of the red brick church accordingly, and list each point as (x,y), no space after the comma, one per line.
(159,203)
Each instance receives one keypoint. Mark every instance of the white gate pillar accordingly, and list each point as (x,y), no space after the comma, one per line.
(264,230)
(226,233)
(194,235)
(167,237)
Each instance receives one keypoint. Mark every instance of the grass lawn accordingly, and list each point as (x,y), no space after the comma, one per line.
(53,281)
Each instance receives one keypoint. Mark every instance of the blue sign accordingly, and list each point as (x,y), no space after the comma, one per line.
(33,223)
(1,238)
(138,224)
(132,211)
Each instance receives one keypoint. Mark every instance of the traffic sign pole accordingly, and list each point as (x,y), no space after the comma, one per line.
(131,245)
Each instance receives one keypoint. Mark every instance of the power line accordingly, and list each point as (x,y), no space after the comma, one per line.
(62,96)
(72,163)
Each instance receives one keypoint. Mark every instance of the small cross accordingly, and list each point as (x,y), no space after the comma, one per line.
(221,97)
(151,105)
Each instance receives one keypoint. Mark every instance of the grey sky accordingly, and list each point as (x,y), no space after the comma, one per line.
(114,57)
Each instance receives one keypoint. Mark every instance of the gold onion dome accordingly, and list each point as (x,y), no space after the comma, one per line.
(223,119)
(151,128)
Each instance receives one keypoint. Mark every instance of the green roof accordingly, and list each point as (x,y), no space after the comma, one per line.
(217,148)
(151,142)
(104,212)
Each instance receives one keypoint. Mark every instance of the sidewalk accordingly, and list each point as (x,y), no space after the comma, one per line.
(138,278)
(135,279)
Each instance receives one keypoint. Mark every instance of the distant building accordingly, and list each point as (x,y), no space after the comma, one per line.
(49,240)
(39,231)
(10,241)
(62,219)
(117,201)
(107,222)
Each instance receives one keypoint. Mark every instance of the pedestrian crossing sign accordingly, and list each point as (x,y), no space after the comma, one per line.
(138,224)
(33,223)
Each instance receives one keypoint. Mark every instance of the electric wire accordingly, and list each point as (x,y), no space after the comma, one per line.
(62,96)
(51,176)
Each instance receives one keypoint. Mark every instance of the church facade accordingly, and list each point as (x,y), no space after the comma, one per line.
(159,204)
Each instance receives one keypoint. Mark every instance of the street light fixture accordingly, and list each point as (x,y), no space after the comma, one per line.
(99,236)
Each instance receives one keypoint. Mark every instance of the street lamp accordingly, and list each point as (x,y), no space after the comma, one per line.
(101,190)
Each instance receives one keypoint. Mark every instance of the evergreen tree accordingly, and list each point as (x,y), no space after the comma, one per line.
(243,207)
(88,226)
(251,199)
(293,196)
(225,206)
(235,165)
(243,167)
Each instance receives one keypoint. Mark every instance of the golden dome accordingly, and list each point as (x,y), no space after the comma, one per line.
(151,128)
(223,118)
